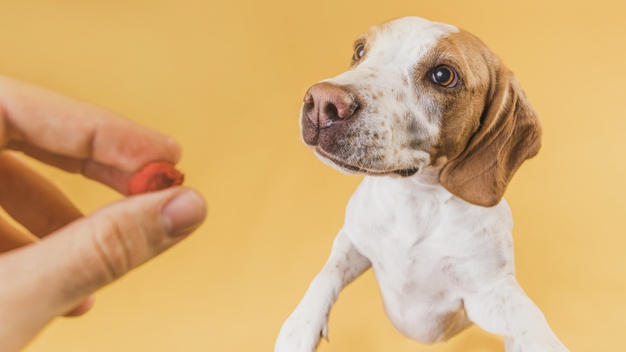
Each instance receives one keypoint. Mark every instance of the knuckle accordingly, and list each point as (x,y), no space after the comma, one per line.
(121,244)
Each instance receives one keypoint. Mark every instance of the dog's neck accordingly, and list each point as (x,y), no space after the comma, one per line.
(425,183)
(426,180)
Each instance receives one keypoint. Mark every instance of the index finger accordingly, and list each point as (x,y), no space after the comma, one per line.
(73,134)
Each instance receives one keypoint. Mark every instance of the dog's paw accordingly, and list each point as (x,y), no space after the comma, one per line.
(301,333)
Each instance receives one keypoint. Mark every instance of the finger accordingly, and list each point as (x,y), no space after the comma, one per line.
(32,117)
(108,175)
(31,199)
(37,204)
(11,237)
(66,267)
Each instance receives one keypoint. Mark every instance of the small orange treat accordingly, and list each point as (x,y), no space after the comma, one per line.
(155,176)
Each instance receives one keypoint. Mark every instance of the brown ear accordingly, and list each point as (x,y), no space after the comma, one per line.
(509,133)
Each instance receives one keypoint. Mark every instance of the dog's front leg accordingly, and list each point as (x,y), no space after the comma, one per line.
(506,310)
(303,329)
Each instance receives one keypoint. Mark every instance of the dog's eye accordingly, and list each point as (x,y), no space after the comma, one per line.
(445,76)
(359,51)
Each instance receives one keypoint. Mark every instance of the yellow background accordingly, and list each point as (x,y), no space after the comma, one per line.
(226,79)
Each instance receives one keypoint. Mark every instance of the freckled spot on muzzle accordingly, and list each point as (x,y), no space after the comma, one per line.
(417,144)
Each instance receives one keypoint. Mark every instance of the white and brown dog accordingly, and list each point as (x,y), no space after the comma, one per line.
(439,126)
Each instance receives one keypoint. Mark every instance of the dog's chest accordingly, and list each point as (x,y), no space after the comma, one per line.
(427,249)
(407,226)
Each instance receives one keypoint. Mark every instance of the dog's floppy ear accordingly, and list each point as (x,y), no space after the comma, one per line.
(509,133)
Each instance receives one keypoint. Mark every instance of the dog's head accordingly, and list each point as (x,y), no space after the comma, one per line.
(423,95)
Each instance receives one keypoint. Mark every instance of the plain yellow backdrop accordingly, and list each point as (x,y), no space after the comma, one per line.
(226,79)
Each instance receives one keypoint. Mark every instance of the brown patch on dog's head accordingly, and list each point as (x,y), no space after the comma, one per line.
(488,128)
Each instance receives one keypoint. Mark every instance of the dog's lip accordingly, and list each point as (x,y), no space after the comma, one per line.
(360,169)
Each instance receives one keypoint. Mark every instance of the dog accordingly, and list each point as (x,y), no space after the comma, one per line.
(438,126)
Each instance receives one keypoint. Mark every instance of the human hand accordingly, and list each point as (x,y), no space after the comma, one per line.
(77,255)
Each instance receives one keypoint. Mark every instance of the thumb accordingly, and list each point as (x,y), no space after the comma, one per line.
(53,276)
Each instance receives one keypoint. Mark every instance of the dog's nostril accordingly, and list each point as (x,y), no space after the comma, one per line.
(308,110)
(331,112)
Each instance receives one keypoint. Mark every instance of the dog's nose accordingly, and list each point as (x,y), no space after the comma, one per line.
(326,103)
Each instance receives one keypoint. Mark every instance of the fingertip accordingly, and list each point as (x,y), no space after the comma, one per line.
(83,308)
(184,212)
(174,149)
(117,177)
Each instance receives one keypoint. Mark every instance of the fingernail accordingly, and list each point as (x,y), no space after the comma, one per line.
(183,213)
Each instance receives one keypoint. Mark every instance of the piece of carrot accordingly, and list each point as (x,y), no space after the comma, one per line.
(155,176)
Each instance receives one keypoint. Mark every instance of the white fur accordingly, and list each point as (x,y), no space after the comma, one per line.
(441,263)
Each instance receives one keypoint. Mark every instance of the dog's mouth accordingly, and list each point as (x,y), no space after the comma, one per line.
(364,170)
